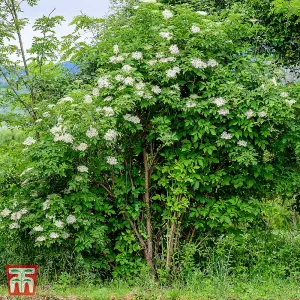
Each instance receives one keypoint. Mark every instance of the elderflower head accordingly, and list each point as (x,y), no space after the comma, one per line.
(53,235)
(14,226)
(111,160)
(198,63)
(167,14)
(111,135)
(223,111)
(59,224)
(116,59)
(16,216)
(242,143)
(46,114)
(262,114)
(284,94)
(202,13)
(46,204)
(174,49)
(156,89)
(137,55)
(116,49)
(219,101)
(195,29)
(71,219)
(92,132)
(5,212)
(66,99)
(40,238)
(103,82)
(226,136)
(152,62)
(131,118)
(172,73)
(127,68)
(129,81)
(249,114)
(81,147)
(29,141)
(119,78)
(38,228)
(82,169)
(65,235)
(190,104)
(88,99)
(290,102)
(66,138)
(108,111)
(212,63)
(166,35)
(95,92)
(108,99)
(26,171)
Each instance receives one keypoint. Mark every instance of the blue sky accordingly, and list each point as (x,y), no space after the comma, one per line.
(66,8)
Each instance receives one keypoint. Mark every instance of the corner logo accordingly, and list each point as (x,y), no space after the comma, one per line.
(21,279)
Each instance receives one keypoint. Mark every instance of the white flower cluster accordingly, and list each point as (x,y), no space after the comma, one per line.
(152,62)
(226,136)
(197,63)
(167,14)
(46,114)
(18,215)
(290,102)
(202,13)
(148,1)
(29,141)
(172,73)
(129,81)
(195,29)
(106,110)
(111,135)
(26,171)
(40,238)
(88,99)
(116,49)
(262,114)
(5,212)
(219,101)
(71,219)
(82,169)
(111,160)
(156,89)
(81,147)
(53,235)
(137,55)
(38,228)
(249,114)
(59,224)
(108,99)
(14,226)
(96,92)
(242,143)
(133,119)
(223,111)
(92,132)
(66,138)
(174,49)
(166,35)
(190,104)
(103,82)
(127,68)
(284,94)
(167,59)
(46,204)
(116,59)
(66,99)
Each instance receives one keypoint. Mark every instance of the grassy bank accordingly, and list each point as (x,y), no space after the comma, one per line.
(197,288)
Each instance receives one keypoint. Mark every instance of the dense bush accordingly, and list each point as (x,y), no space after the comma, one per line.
(179,136)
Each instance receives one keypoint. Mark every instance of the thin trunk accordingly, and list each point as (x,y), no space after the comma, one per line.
(171,243)
(149,255)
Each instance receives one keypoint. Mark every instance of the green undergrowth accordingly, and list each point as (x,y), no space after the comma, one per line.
(198,287)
